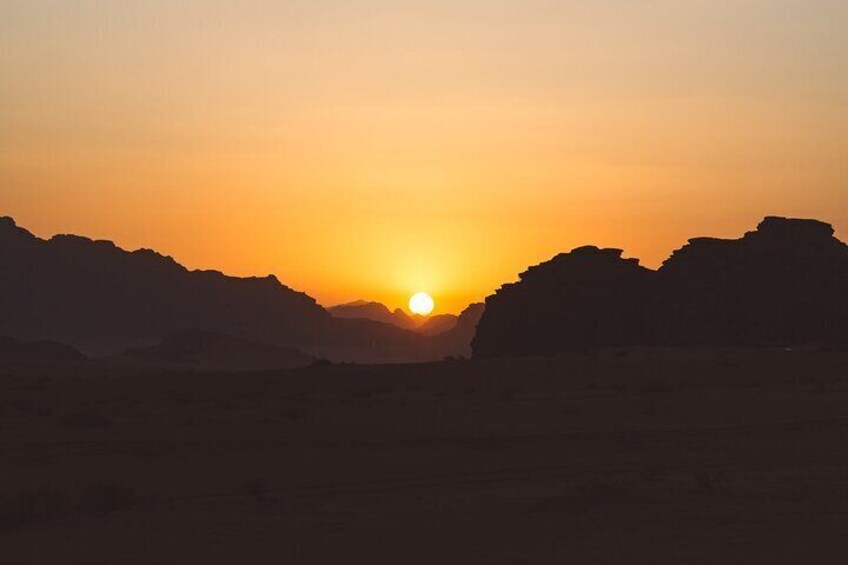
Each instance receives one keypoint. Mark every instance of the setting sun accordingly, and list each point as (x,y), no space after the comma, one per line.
(421,303)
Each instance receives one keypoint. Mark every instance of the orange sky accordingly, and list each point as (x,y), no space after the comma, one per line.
(370,149)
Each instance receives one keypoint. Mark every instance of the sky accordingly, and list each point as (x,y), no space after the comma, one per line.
(371,149)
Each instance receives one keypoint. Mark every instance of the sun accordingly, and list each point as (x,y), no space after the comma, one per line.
(421,303)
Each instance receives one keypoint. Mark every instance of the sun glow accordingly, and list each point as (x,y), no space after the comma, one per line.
(421,303)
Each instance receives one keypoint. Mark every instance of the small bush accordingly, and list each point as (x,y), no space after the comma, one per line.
(183,398)
(586,497)
(32,507)
(107,497)
(454,359)
(43,505)
(508,395)
(706,481)
(656,386)
(256,488)
(294,414)
(85,421)
(23,405)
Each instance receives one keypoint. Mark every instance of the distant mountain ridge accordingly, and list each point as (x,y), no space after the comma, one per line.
(102,300)
(456,342)
(376,311)
(437,324)
(786,283)
(379,312)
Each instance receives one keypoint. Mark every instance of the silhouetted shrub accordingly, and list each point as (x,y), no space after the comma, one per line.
(183,397)
(107,497)
(32,507)
(85,421)
(294,414)
(583,498)
(703,480)
(23,405)
(255,487)
(655,386)
(509,395)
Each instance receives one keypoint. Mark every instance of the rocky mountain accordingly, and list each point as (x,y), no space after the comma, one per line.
(783,284)
(103,300)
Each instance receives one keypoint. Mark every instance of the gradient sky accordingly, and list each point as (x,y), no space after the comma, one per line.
(370,149)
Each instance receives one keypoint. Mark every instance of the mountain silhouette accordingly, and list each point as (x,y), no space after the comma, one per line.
(376,311)
(14,350)
(438,324)
(103,300)
(379,312)
(456,342)
(211,351)
(783,284)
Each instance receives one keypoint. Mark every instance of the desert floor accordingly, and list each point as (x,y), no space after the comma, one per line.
(618,456)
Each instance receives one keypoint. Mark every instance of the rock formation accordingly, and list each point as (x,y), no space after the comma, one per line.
(586,298)
(785,283)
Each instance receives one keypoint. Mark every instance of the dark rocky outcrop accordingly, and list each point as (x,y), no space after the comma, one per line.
(783,284)
(586,298)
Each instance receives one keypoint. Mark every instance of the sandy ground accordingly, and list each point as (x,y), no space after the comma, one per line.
(621,456)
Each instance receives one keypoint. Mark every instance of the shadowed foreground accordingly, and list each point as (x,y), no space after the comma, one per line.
(626,455)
